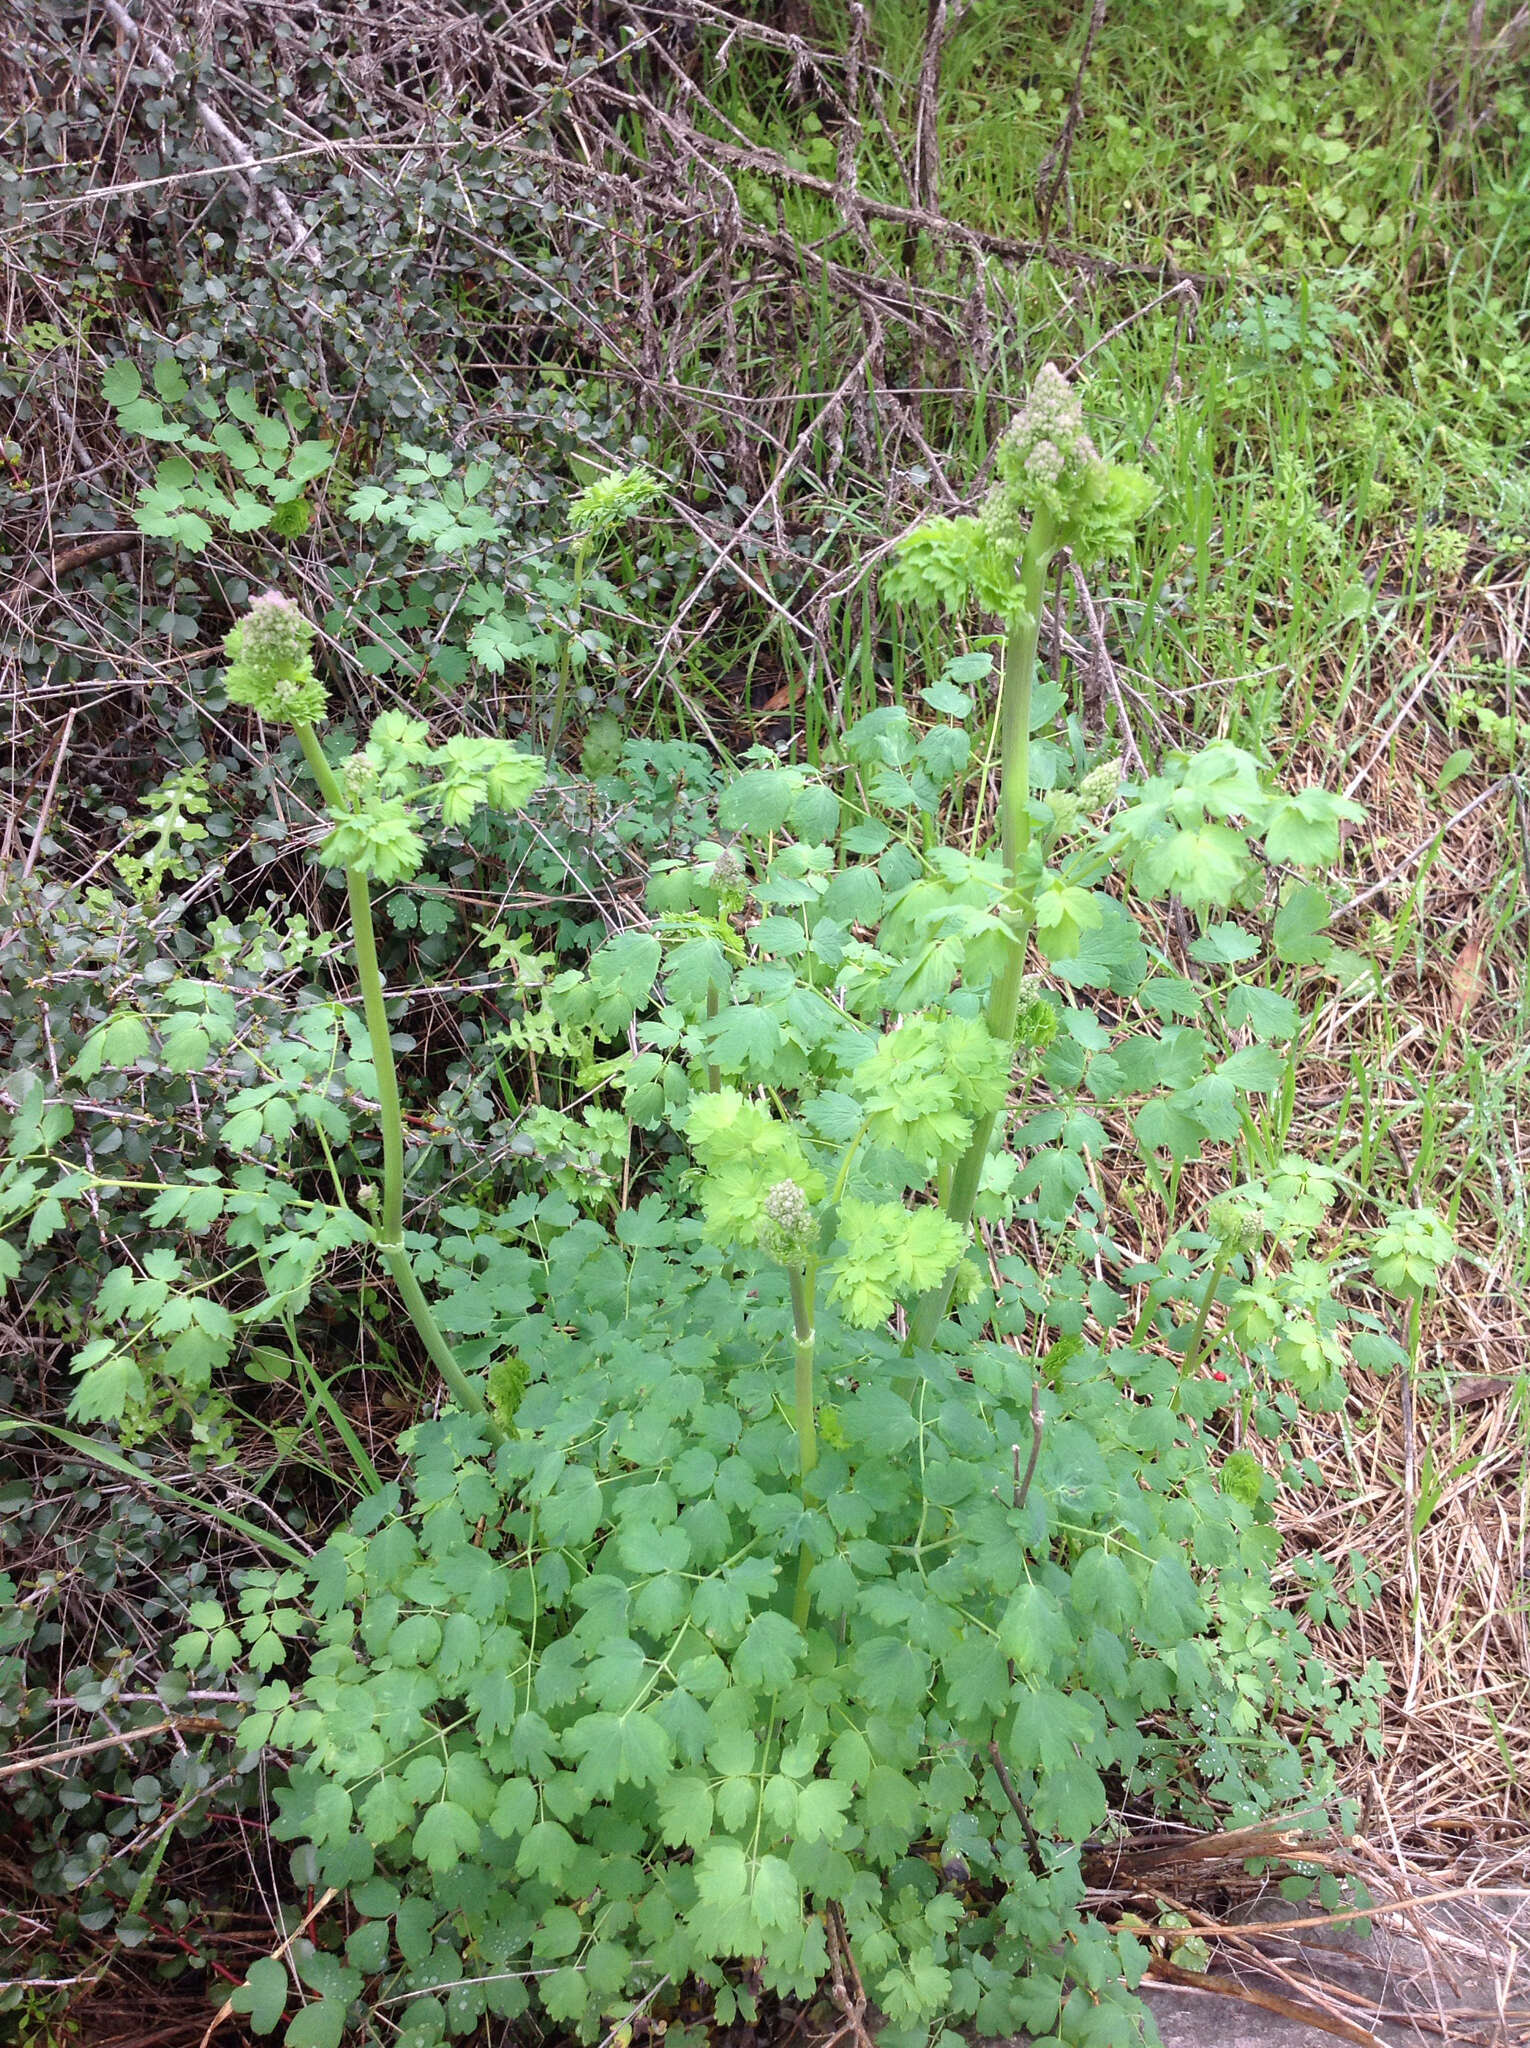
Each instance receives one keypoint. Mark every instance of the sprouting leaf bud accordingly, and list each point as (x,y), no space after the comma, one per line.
(1241,1478)
(1035,1018)
(612,500)
(1066,811)
(790,1230)
(366,1194)
(506,1388)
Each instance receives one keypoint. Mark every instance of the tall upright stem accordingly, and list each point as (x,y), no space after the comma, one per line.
(389,1115)
(807,1426)
(566,655)
(1197,1345)
(389,1234)
(1014,845)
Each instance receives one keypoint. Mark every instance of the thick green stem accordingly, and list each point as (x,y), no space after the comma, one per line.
(463,1392)
(389,1115)
(389,1234)
(1015,704)
(714,1073)
(807,1426)
(1014,845)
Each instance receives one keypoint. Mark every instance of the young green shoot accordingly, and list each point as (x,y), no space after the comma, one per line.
(375,804)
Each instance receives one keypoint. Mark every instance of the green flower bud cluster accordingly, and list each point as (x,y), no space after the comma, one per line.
(1046,457)
(1101,785)
(612,500)
(506,1388)
(789,1232)
(1048,468)
(1235,1227)
(271,663)
(1048,463)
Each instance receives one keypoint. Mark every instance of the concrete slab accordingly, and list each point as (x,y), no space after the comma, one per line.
(1462,1977)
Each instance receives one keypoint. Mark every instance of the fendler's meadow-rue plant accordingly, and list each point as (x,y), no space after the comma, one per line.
(377,803)
(1054,491)
(596,513)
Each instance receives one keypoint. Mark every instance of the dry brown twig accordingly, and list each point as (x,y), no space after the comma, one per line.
(849,1998)
(1054,165)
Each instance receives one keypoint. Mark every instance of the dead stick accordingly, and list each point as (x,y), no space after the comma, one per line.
(1054,165)
(1268,2001)
(94,549)
(201,1724)
(1032,1840)
(47,804)
(1263,1927)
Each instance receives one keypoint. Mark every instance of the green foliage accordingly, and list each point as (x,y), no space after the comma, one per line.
(172,824)
(531,1118)
(399,778)
(609,501)
(660,1613)
(255,466)
(1049,471)
(1411,1252)
(532,1676)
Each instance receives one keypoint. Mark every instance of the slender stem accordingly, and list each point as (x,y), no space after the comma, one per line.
(800,1280)
(714,1072)
(319,768)
(463,1392)
(1014,844)
(389,1235)
(389,1116)
(1197,1345)
(566,653)
(321,1392)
